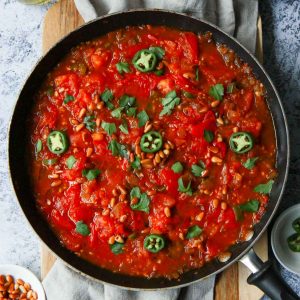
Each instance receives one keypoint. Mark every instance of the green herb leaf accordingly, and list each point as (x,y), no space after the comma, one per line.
(68,98)
(124,127)
(110,128)
(158,51)
(208,135)
(159,72)
(117,113)
(144,201)
(117,149)
(143,118)
(264,188)
(177,167)
(217,91)
(231,87)
(123,67)
(107,97)
(89,122)
(49,162)
(197,170)
(193,232)
(135,192)
(116,248)
(70,161)
(38,146)
(82,228)
(131,111)
(126,101)
(250,206)
(169,103)
(136,164)
(91,174)
(188,94)
(181,188)
(250,163)
(238,213)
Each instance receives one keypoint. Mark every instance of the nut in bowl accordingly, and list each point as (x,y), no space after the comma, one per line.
(284,245)
(19,283)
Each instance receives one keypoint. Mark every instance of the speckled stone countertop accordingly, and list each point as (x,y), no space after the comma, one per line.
(20,48)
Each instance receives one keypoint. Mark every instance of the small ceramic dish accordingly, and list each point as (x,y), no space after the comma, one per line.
(281,230)
(18,272)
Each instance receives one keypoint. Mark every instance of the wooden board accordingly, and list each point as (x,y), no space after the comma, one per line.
(62,18)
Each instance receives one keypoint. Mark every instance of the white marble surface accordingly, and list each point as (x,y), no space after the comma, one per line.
(20,48)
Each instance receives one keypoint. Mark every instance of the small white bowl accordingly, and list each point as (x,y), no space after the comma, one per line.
(26,275)
(281,230)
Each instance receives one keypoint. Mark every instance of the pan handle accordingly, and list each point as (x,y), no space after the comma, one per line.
(266,278)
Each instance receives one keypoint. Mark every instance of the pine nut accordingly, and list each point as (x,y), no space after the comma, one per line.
(115,192)
(148,127)
(89,152)
(82,113)
(235,129)
(56,183)
(199,217)
(166,152)
(74,122)
(111,240)
(161,154)
(112,202)
(123,218)
(98,121)
(53,176)
(167,212)
(79,127)
(119,239)
(151,193)
(181,236)
(97,136)
(105,212)
(171,145)
(215,103)
(225,256)
(146,161)
(216,160)
(220,121)
(223,205)
(157,158)
(215,203)
(249,235)
(122,189)
(213,149)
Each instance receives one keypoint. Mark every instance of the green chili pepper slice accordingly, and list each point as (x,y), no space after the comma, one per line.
(154,243)
(294,242)
(296,225)
(57,142)
(241,142)
(144,60)
(151,142)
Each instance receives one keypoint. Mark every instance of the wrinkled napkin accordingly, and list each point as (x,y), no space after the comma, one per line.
(236,17)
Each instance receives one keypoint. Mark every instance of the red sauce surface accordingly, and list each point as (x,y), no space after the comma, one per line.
(66,197)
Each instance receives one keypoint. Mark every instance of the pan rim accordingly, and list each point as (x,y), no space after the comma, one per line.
(252,242)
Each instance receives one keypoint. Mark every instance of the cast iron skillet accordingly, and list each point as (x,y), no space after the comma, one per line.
(263,277)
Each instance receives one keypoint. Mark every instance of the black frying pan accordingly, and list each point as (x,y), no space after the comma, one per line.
(263,276)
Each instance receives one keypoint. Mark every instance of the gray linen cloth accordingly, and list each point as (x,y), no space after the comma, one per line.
(236,17)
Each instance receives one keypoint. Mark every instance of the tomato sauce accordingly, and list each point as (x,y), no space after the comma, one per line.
(86,192)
